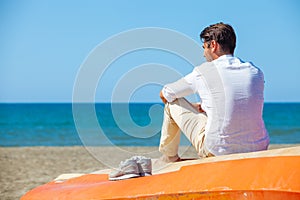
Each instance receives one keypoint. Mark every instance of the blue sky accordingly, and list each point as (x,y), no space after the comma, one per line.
(44,43)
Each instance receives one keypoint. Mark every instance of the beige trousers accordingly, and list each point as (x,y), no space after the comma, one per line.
(182,115)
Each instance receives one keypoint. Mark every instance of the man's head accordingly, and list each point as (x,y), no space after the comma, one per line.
(218,39)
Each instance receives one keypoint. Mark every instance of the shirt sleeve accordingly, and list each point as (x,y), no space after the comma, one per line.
(183,87)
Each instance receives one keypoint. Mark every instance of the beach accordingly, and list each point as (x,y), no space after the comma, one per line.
(24,168)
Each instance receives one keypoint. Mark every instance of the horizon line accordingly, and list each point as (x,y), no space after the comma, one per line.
(107,102)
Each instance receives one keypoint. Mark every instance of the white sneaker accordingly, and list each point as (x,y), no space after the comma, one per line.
(144,164)
(127,169)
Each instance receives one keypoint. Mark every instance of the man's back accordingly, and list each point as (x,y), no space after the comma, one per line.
(232,96)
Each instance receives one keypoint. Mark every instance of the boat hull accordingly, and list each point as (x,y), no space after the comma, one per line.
(252,178)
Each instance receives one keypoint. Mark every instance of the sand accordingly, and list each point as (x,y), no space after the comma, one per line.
(24,168)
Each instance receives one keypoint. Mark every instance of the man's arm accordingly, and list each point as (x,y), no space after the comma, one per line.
(180,88)
(197,106)
(177,89)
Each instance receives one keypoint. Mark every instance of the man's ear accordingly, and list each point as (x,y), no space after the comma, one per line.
(214,46)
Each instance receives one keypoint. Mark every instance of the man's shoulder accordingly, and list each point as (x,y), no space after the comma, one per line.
(204,67)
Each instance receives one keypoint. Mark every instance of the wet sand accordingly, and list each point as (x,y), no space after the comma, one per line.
(23,168)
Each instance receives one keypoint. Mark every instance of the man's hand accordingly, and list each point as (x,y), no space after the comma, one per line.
(162,97)
(198,107)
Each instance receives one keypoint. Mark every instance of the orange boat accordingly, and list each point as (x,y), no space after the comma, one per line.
(273,174)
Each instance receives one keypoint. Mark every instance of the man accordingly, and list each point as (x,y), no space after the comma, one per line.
(229,118)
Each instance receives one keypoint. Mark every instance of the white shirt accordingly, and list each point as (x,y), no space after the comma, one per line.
(231,92)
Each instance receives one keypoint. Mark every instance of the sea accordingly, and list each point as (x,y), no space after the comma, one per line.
(133,124)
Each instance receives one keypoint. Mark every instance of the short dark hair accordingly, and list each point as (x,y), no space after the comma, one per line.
(222,34)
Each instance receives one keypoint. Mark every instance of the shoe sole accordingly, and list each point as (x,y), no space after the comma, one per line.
(123,177)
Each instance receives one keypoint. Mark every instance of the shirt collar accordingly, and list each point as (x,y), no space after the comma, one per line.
(224,59)
(228,56)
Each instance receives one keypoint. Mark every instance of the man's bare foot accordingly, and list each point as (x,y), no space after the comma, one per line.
(162,162)
(169,159)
